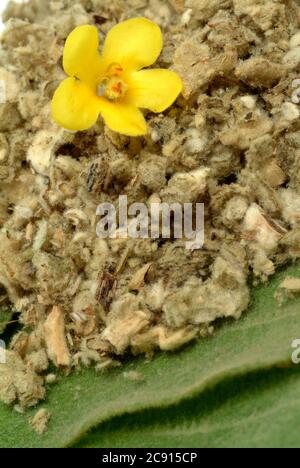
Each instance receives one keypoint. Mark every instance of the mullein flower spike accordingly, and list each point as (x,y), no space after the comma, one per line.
(114,84)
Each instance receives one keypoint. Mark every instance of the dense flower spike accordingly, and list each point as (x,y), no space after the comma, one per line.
(113,84)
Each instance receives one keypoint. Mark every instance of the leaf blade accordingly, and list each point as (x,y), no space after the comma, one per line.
(257,411)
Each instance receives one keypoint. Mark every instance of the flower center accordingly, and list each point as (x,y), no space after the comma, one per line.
(112,85)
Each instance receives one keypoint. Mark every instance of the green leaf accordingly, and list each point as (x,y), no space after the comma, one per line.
(5,317)
(79,402)
(257,411)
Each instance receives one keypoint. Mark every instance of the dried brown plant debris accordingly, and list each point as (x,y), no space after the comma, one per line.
(232,142)
(55,338)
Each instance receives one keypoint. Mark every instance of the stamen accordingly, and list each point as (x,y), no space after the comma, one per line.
(112,86)
(114,69)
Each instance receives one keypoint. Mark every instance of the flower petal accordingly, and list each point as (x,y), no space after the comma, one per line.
(123,118)
(134,44)
(155,90)
(74,106)
(81,56)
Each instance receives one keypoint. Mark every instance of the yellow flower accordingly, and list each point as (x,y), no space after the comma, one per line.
(113,84)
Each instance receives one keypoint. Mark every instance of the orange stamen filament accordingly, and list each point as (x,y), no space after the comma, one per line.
(112,86)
